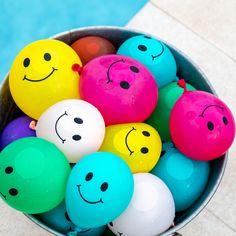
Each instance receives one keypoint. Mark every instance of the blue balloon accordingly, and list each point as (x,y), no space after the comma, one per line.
(154,54)
(86,232)
(99,189)
(57,218)
(186,178)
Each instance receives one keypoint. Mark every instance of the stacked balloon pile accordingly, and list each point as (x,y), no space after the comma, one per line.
(110,137)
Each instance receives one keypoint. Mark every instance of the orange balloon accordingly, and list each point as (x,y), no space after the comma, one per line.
(91,47)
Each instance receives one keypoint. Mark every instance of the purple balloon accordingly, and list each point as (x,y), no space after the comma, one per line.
(16,129)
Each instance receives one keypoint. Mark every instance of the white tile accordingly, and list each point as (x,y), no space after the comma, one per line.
(221,72)
(213,20)
(206,224)
(15,223)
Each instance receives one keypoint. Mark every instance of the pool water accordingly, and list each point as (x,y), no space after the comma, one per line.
(22,22)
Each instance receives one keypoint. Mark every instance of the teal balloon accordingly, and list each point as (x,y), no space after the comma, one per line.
(57,218)
(160,118)
(186,178)
(99,189)
(154,54)
(76,231)
(33,175)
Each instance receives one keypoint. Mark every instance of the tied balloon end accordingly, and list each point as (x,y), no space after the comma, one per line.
(32,125)
(77,68)
(182,84)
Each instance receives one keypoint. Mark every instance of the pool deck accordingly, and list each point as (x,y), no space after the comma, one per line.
(204,30)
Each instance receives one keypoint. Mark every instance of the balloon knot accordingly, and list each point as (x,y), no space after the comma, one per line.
(77,68)
(182,84)
(32,125)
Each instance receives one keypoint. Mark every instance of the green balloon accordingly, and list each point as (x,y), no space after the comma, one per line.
(33,175)
(160,118)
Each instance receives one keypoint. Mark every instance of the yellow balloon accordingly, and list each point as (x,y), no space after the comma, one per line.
(139,144)
(41,75)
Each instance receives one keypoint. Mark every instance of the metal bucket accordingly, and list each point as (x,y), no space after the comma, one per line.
(186,69)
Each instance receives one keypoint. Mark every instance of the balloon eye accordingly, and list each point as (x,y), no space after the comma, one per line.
(134,69)
(104,187)
(146,133)
(89,176)
(111,224)
(26,62)
(225,120)
(124,85)
(142,48)
(9,170)
(210,125)
(76,137)
(13,192)
(67,217)
(78,120)
(163,153)
(47,57)
(144,150)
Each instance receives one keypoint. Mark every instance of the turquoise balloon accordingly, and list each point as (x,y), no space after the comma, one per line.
(99,189)
(154,54)
(57,218)
(160,117)
(33,175)
(186,178)
(86,232)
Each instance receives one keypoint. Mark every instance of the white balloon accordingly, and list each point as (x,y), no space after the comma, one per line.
(151,210)
(76,127)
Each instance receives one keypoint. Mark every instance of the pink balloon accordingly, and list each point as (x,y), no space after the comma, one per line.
(201,125)
(120,87)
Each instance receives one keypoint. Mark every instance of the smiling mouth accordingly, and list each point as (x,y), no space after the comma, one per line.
(56,128)
(126,141)
(162,50)
(4,196)
(108,71)
(31,80)
(100,201)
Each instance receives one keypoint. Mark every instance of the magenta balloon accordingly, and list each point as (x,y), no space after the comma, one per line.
(122,89)
(201,125)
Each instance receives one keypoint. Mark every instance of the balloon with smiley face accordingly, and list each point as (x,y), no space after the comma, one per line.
(139,144)
(33,175)
(151,210)
(120,87)
(186,178)
(99,189)
(42,75)
(154,54)
(201,125)
(75,126)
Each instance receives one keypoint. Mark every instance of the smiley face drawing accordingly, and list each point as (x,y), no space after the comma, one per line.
(33,175)
(139,144)
(99,189)
(154,54)
(76,127)
(201,125)
(120,87)
(41,75)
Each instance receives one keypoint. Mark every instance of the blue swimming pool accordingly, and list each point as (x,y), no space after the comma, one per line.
(22,22)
